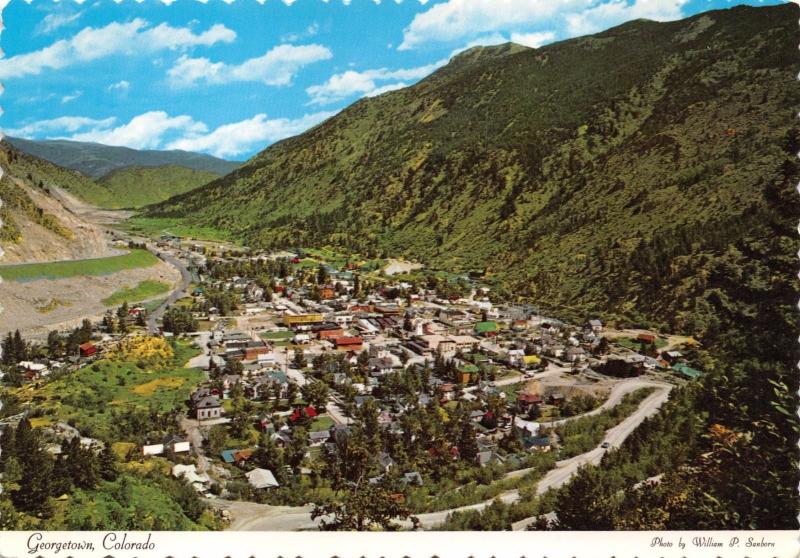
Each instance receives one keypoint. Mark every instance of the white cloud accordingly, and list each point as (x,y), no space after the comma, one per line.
(61,125)
(239,137)
(533,40)
(123,85)
(346,84)
(277,67)
(459,20)
(71,97)
(614,12)
(134,37)
(145,131)
(54,21)
(307,33)
(159,130)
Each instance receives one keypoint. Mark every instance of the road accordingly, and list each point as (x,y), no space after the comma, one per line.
(248,516)
(180,292)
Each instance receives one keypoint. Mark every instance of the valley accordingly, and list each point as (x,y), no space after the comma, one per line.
(543,288)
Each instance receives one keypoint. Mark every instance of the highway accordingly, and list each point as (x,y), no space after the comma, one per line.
(180,292)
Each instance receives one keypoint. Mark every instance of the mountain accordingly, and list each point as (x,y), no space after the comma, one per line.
(595,175)
(37,225)
(134,187)
(96,160)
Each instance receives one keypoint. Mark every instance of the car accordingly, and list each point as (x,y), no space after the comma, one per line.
(605,445)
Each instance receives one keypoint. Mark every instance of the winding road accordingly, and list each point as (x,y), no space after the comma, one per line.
(180,292)
(249,516)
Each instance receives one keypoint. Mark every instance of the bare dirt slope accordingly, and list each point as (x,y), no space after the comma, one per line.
(34,307)
(38,244)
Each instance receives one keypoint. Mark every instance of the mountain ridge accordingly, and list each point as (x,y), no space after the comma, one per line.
(97,160)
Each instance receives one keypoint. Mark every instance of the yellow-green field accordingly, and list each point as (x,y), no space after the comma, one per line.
(143,291)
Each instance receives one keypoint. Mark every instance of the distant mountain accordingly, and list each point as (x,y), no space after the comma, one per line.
(96,160)
(597,174)
(134,187)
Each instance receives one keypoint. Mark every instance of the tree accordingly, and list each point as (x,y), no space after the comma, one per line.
(315,393)
(364,507)
(322,274)
(291,392)
(356,285)
(296,449)
(299,360)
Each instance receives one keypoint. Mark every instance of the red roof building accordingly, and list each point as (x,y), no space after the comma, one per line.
(349,343)
(87,349)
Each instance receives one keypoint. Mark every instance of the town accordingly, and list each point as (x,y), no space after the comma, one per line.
(306,374)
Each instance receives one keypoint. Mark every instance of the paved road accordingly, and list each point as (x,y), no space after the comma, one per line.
(565,469)
(177,294)
(248,516)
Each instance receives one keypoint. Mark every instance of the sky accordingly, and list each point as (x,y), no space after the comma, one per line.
(229,78)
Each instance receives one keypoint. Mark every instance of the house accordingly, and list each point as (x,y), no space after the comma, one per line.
(413,478)
(687,371)
(386,462)
(327,292)
(465,343)
(87,349)
(261,478)
(672,356)
(318,438)
(556,398)
(205,404)
(487,329)
(485,458)
(575,354)
(466,373)
(330,334)
(531,361)
(594,325)
(298,413)
(349,343)
(380,366)
(526,400)
(646,338)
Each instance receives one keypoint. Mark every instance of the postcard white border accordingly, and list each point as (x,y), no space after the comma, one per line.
(443,544)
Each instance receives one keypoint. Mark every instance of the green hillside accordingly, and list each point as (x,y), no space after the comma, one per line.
(41,173)
(595,175)
(96,160)
(133,187)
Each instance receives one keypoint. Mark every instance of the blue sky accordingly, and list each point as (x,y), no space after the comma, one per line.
(231,78)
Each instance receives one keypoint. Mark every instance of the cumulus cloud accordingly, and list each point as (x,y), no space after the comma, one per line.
(230,140)
(366,83)
(277,66)
(145,131)
(62,124)
(134,37)
(614,12)
(459,20)
(159,130)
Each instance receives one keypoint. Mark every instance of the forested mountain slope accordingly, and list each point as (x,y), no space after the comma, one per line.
(133,187)
(600,174)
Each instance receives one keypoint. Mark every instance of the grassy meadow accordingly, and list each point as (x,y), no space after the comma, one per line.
(135,259)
